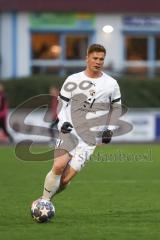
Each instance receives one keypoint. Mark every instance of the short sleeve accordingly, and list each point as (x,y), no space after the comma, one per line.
(116,95)
(66,90)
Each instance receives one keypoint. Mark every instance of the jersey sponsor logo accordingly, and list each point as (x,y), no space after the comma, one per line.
(92,92)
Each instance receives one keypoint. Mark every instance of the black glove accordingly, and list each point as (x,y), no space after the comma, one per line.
(66,127)
(107,136)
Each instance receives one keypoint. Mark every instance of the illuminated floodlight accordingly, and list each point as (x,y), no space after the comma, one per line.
(108,29)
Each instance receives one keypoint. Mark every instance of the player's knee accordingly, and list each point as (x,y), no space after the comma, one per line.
(58,168)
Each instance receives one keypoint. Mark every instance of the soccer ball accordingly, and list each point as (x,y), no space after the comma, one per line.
(42,210)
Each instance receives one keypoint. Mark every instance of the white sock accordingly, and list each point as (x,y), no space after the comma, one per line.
(51,185)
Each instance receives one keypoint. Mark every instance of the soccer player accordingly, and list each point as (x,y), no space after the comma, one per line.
(87,100)
(4,113)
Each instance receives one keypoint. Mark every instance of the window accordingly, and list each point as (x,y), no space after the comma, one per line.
(45,46)
(59,52)
(136,48)
(76,47)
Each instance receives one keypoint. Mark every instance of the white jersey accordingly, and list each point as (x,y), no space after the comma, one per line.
(104,87)
(86,99)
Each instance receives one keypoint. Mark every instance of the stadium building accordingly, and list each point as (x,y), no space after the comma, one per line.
(52,36)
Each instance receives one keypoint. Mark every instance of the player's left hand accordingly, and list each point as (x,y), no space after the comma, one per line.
(107,136)
(66,127)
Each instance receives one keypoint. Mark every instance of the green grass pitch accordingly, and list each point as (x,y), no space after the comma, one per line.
(115,197)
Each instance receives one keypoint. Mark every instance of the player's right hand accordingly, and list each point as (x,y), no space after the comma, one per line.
(107,136)
(66,127)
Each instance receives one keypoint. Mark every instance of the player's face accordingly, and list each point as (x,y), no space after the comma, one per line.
(95,61)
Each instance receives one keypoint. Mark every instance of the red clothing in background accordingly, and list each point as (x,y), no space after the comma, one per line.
(3,105)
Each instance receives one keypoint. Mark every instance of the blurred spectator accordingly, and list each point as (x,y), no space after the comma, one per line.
(54,92)
(4,113)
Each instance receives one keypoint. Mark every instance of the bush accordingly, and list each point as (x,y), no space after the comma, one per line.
(136,92)
(19,90)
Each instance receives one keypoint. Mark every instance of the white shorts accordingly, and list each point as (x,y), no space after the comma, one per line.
(79,150)
(81,155)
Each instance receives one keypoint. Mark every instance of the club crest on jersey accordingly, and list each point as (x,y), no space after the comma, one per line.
(92,92)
